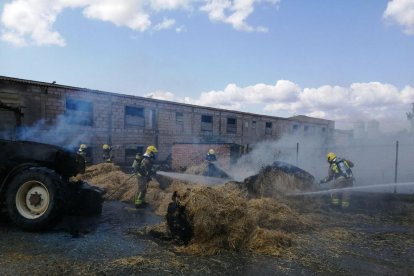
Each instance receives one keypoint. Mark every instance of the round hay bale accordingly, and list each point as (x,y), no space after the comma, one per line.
(275,181)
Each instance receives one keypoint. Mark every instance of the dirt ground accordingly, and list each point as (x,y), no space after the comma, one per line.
(363,241)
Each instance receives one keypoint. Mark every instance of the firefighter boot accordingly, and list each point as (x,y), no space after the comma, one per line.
(139,201)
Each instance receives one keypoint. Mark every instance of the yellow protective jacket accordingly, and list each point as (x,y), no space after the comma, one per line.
(144,167)
(339,168)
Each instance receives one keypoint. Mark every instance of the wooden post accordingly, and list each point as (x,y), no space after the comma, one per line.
(396,167)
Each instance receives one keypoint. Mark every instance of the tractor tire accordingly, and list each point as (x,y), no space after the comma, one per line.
(35,199)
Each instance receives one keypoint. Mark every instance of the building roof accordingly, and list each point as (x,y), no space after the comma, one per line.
(308,119)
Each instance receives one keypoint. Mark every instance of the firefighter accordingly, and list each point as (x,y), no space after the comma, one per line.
(144,170)
(339,171)
(210,158)
(107,153)
(211,155)
(82,150)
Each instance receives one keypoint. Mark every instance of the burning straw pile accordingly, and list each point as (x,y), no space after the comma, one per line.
(119,186)
(235,216)
(212,219)
(279,178)
(122,186)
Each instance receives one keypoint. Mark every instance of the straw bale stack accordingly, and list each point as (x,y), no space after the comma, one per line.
(224,218)
(119,185)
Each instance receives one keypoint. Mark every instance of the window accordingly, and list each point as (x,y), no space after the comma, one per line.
(133,151)
(295,127)
(134,116)
(253,124)
(79,112)
(207,124)
(231,125)
(268,128)
(179,118)
(306,128)
(323,129)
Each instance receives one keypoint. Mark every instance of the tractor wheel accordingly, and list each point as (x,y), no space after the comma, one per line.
(35,199)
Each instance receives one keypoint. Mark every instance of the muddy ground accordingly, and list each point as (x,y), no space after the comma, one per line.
(362,241)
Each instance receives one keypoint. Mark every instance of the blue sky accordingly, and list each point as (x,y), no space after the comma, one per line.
(342,60)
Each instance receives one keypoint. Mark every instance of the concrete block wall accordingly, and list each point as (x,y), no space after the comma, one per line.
(187,155)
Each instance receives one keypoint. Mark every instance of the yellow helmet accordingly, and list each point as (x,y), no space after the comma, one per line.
(105,146)
(151,150)
(330,156)
(211,151)
(83,146)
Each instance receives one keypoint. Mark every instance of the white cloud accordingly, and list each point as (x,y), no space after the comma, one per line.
(374,94)
(359,101)
(122,13)
(32,19)
(402,13)
(159,5)
(407,95)
(13,38)
(161,95)
(234,12)
(180,29)
(234,97)
(30,22)
(165,24)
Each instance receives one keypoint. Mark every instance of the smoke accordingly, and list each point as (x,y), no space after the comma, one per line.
(374,157)
(304,152)
(61,132)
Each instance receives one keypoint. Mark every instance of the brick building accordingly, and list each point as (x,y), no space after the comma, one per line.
(67,116)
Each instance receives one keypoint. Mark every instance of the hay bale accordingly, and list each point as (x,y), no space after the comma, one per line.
(197,169)
(207,169)
(119,185)
(269,242)
(224,218)
(275,215)
(99,169)
(275,181)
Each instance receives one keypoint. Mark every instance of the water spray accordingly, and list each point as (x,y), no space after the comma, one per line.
(366,187)
(211,181)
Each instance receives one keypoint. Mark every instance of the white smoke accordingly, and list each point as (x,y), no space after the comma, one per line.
(60,132)
(374,157)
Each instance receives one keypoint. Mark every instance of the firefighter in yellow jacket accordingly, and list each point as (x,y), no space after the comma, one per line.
(82,151)
(107,153)
(339,171)
(144,170)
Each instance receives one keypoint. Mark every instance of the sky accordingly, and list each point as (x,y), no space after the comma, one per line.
(347,61)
